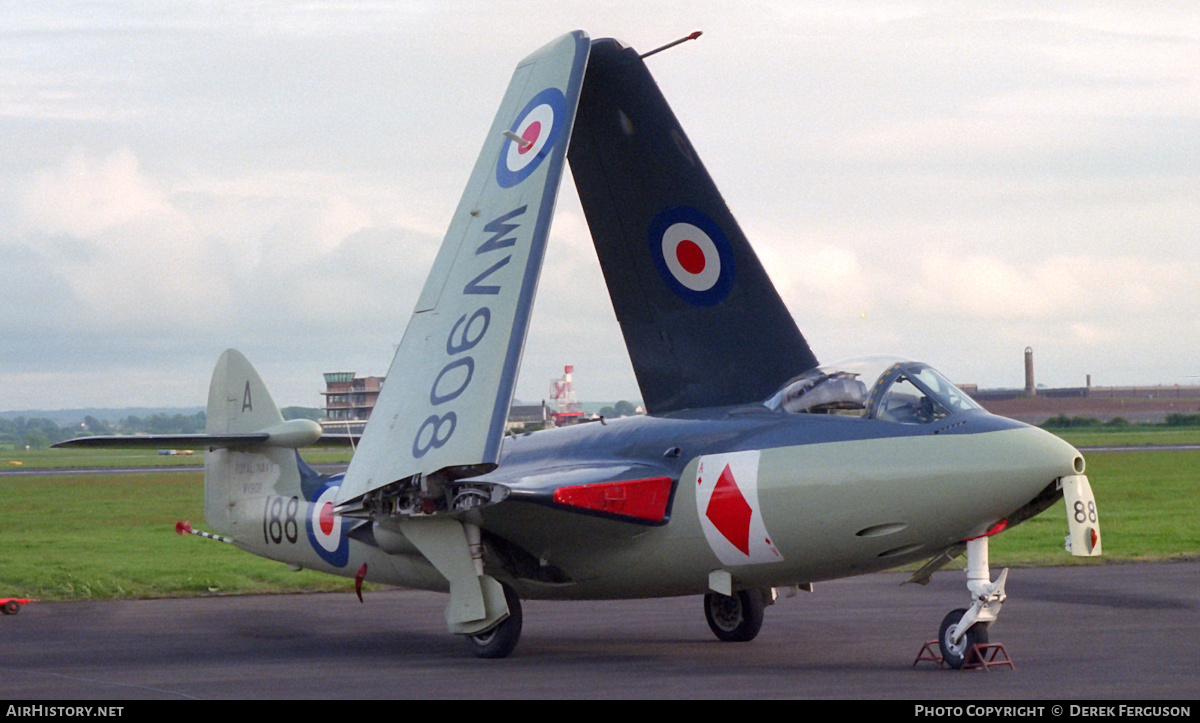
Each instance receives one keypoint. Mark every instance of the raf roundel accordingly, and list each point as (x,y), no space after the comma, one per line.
(325,532)
(538,126)
(692,255)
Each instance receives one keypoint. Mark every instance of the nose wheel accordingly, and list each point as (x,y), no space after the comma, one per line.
(963,629)
(956,648)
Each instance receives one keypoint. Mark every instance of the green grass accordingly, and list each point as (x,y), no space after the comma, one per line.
(1149,505)
(1135,436)
(81,458)
(113,535)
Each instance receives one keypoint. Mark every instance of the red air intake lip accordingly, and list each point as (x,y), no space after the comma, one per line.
(641,499)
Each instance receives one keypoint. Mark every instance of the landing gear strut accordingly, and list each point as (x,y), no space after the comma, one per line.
(963,629)
(734,618)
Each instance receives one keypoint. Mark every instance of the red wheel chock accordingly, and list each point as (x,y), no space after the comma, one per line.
(981,656)
(929,653)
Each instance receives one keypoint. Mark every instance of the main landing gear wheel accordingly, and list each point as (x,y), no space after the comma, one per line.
(955,655)
(736,618)
(12,607)
(500,640)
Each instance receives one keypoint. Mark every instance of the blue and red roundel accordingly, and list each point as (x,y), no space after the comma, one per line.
(692,255)
(539,125)
(326,532)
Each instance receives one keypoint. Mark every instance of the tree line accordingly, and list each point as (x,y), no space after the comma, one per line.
(39,432)
(620,409)
(1062,421)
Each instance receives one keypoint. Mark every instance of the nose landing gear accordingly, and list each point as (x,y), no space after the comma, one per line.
(963,629)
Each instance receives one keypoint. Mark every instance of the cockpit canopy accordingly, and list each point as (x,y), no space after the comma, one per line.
(878,387)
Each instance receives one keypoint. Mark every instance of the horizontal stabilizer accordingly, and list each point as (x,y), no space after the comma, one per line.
(164,441)
(240,413)
(291,435)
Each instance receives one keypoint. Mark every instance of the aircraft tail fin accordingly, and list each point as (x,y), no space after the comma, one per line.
(251,450)
(239,404)
(702,321)
(238,400)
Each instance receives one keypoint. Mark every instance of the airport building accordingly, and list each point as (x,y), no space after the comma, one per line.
(349,400)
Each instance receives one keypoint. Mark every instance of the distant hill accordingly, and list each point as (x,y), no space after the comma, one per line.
(75,417)
(595,407)
(72,417)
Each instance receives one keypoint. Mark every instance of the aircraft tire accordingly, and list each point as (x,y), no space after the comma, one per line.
(736,618)
(12,607)
(501,640)
(956,655)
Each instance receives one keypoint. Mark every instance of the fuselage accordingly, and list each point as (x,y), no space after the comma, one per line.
(850,468)
(829,496)
(817,497)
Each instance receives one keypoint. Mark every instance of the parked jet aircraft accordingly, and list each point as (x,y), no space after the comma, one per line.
(756,472)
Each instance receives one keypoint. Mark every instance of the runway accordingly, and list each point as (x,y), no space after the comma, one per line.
(1113,632)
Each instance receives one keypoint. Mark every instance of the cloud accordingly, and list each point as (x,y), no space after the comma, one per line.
(84,195)
(278,177)
(1054,288)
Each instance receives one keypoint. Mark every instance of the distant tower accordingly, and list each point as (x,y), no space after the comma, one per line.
(1030,389)
(562,391)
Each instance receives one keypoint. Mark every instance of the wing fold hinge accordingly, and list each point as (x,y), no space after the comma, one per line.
(449,490)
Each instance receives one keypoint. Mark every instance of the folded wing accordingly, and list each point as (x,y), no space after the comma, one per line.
(448,391)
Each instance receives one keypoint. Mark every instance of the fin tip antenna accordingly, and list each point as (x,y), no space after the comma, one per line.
(672,44)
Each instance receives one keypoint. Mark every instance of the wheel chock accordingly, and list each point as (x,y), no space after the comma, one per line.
(929,653)
(983,656)
(12,605)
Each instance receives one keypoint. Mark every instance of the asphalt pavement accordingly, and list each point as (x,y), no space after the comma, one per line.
(1114,632)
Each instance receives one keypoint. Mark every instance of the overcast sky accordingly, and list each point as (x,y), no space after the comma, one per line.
(946,181)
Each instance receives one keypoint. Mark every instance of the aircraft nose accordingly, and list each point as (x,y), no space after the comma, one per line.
(1039,458)
(1059,454)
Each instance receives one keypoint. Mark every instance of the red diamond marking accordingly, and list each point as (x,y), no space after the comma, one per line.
(729,512)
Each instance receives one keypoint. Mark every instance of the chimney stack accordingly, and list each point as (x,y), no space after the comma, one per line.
(1030,389)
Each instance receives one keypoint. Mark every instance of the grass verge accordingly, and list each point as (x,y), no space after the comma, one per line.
(113,536)
(106,458)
